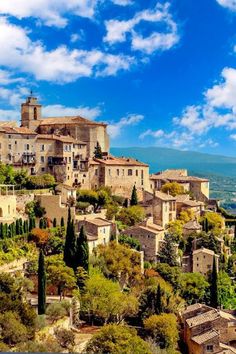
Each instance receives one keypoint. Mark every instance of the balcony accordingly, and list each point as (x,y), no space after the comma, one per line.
(27,158)
(56,161)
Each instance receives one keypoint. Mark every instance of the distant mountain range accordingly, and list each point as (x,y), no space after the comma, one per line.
(160,159)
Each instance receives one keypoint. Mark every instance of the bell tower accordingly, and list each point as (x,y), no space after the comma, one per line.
(31,113)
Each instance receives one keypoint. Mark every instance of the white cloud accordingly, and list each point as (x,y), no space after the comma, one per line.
(9,115)
(122,2)
(51,12)
(58,65)
(115,129)
(118,31)
(13,97)
(233,136)
(154,133)
(58,110)
(230,4)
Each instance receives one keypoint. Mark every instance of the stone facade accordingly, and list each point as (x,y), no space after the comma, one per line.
(198,187)
(150,237)
(98,231)
(202,261)
(7,204)
(207,330)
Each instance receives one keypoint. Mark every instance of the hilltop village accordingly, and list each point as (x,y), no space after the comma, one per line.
(97,255)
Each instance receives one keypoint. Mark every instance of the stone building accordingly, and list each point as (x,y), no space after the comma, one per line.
(198,187)
(7,204)
(150,237)
(98,231)
(164,208)
(208,330)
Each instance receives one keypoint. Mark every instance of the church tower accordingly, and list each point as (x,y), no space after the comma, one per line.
(31,113)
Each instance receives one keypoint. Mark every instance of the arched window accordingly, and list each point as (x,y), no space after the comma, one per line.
(35,113)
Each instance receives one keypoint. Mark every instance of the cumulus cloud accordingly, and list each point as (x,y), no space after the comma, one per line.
(122,2)
(230,4)
(58,110)
(9,115)
(119,31)
(51,12)
(58,65)
(115,129)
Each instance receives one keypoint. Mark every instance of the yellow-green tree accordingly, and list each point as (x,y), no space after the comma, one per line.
(173,188)
(163,329)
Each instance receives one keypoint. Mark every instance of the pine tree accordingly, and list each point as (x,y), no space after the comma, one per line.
(82,250)
(41,284)
(70,243)
(98,151)
(168,251)
(134,197)
(54,222)
(159,308)
(214,293)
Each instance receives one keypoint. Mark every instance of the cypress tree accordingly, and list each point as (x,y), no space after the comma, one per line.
(214,293)
(41,223)
(62,222)
(17,227)
(54,222)
(82,251)
(1,230)
(134,197)
(9,231)
(206,226)
(5,229)
(159,300)
(168,251)
(126,203)
(70,243)
(20,227)
(98,151)
(41,284)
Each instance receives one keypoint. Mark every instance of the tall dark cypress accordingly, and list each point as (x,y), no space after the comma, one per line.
(159,300)
(41,284)
(214,293)
(62,222)
(134,197)
(98,151)
(70,243)
(82,250)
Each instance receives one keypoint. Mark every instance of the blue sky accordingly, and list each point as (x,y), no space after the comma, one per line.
(159,73)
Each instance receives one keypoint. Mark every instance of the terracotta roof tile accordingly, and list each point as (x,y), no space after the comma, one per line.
(120,161)
(209,316)
(164,196)
(16,130)
(205,337)
(69,120)
(62,138)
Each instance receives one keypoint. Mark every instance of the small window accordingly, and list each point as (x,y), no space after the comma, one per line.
(42,148)
(42,159)
(118,172)
(130,172)
(136,172)
(209,348)
(9,146)
(35,113)
(42,169)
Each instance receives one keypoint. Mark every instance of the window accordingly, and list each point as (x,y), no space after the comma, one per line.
(70,159)
(109,172)
(209,348)
(42,148)
(142,174)
(96,172)
(130,172)
(136,172)
(35,113)
(42,159)
(9,146)
(15,142)
(118,172)
(9,136)
(123,172)
(42,169)
(27,147)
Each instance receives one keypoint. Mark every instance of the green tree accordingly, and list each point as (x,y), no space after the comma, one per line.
(65,337)
(134,197)
(54,222)
(168,251)
(70,243)
(117,339)
(82,251)
(214,293)
(102,298)
(55,311)
(173,188)
(12,329)
(131,215)
(98,151)
(192,287)
(163,329)
(130,241)
(61,276)
(41,284)
(62,222)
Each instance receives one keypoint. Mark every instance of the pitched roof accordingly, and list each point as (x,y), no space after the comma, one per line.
(192,225)
(208,316)
(164,196)
(61,138)
(16,130)
(177,175)
(205,337)
(191,308)
(204,250)
(120,161)
(193,203)
(182,198)
(99,222)
(69,120)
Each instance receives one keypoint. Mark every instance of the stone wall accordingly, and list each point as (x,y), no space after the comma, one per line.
(54,208)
